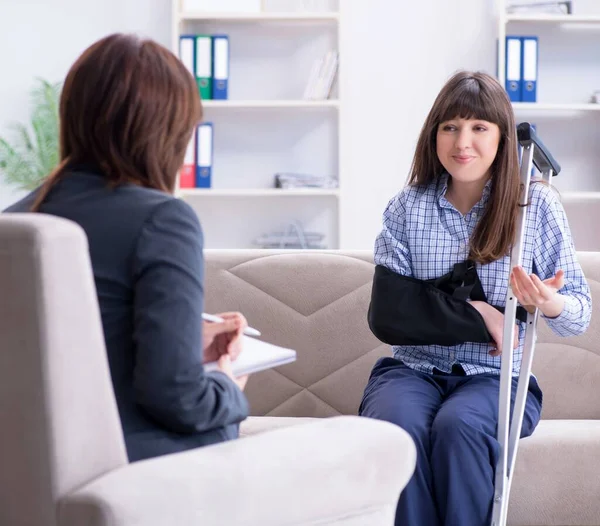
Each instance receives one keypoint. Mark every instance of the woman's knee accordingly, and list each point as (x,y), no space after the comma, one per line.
(458,425)
(415,424)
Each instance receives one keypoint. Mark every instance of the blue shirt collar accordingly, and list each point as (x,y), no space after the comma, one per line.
(442,188)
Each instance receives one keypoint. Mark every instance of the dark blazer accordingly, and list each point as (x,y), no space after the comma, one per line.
(146,252)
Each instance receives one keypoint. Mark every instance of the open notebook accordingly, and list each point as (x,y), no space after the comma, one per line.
(257,356)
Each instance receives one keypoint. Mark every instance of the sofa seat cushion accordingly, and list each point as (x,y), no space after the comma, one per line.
(259,424)
(556,480)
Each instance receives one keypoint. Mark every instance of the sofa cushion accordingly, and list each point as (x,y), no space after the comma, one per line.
(259,424)
(556,480)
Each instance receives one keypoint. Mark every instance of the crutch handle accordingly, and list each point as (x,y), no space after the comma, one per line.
(542,158)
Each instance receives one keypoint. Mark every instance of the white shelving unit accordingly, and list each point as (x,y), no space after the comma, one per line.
(568,74)
(265,16)
(554,19)
(554,107)
(254,192)
(266,127)
(269,104)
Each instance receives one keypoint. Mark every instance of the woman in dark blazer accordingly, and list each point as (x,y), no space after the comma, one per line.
(127,113)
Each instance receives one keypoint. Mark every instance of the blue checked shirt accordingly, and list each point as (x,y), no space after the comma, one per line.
(423,236)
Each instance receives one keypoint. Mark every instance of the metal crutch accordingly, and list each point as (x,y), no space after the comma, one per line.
(534,152)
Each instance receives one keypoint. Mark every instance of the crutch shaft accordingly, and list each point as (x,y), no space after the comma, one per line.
(534,153)
(500,505)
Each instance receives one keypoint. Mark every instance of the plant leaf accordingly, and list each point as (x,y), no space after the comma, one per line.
(25,162)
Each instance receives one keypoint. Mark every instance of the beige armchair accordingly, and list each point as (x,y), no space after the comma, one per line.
(62,455)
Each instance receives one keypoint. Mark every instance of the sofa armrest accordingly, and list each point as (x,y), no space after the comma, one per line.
(337,467)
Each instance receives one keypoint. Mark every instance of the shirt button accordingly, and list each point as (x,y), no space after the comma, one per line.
(452,356)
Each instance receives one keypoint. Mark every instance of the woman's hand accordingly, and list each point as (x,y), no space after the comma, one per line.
(223,337)
(225,367)
(532,292)
(494,322)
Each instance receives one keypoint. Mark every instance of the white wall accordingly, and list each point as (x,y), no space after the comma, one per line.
(396,55)
(44,37)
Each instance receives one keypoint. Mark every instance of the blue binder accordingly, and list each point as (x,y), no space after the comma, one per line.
(513,68)
(529,64)
(204,155)
(220,67)
(187,52)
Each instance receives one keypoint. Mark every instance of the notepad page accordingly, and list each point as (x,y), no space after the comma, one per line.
(257,355)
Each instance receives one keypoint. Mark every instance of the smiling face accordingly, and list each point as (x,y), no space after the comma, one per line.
(470,132)
(467,148)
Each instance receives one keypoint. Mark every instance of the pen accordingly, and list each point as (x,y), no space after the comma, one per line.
(248,331)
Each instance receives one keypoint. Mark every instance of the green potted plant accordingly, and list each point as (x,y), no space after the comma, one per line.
(33,151)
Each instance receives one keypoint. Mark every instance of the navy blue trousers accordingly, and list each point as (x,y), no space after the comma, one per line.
(453,420)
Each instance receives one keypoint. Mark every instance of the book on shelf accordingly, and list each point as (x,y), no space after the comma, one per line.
(222,6)
(554,8)
(322,76)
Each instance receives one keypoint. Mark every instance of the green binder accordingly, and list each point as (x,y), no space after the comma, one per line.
(204,58)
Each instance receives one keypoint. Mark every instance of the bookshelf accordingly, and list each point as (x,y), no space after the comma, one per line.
(269,104)
(254,192)
(261,17)
(568,74)
(554,19)
(265,126)
(532,107)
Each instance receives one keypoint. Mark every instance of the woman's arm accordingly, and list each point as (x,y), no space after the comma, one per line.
(568,311)
(391,245)
(408,311)
(169,379)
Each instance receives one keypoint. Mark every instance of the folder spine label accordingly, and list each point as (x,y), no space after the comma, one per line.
(204,155)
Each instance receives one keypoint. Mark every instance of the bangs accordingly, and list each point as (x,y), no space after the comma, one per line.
(468,101)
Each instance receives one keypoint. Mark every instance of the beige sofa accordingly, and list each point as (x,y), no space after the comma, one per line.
(62,455)
(583,211)
(317,303)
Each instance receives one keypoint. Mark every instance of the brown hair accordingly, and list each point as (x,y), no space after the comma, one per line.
(477,95)
(128,106)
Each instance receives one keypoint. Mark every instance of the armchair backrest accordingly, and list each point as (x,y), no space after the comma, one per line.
(59,424)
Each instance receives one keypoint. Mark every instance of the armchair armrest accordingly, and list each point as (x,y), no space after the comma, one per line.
(338,467)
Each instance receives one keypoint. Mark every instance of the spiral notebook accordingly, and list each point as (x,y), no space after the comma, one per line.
(257,356)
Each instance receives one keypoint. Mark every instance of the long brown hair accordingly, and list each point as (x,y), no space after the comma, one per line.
(476,95)
(128,106)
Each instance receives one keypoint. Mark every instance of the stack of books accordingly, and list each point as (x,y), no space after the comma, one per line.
(295,180)
(555,8)
(294,237)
